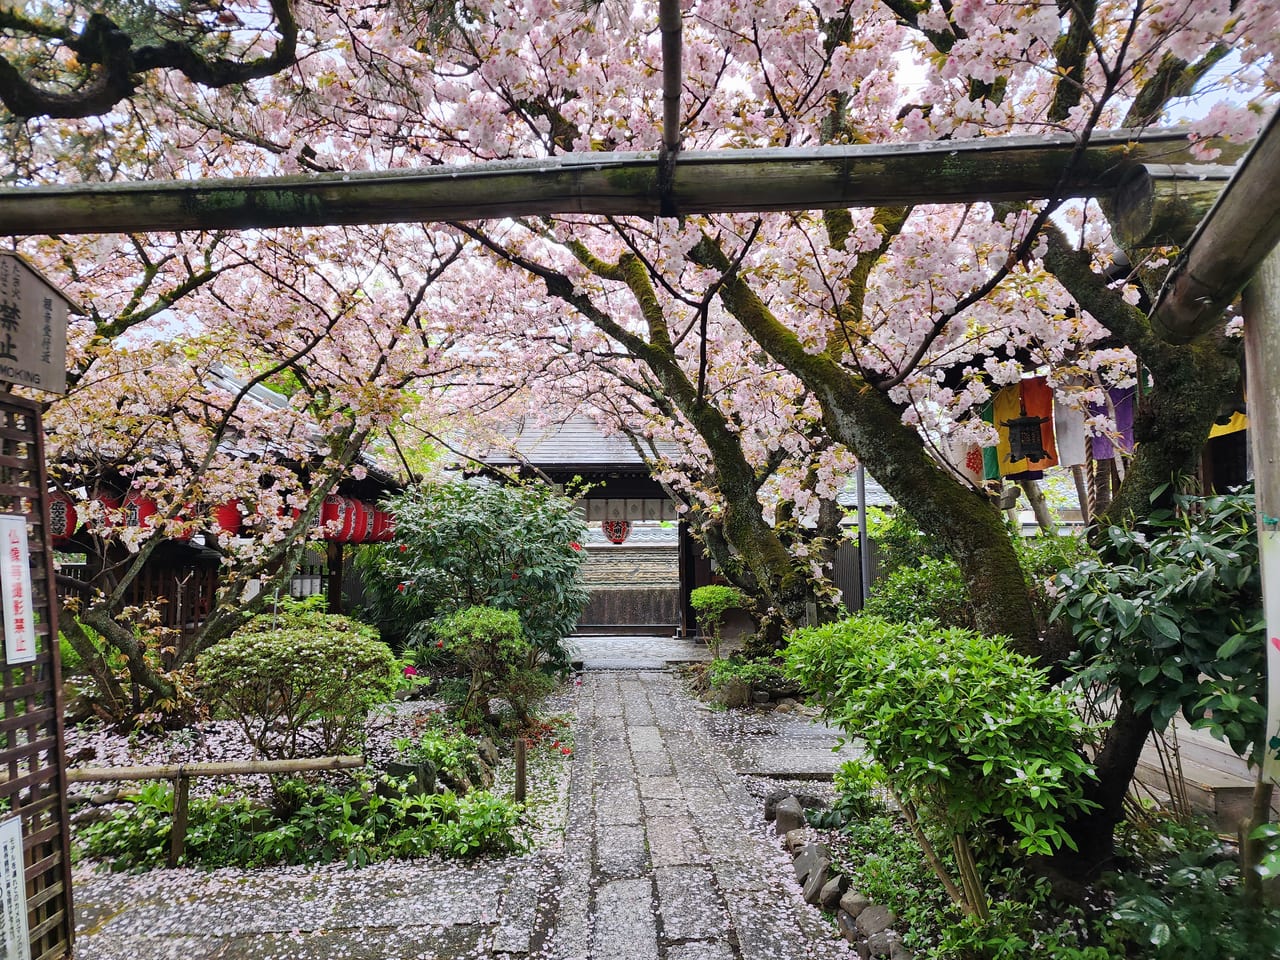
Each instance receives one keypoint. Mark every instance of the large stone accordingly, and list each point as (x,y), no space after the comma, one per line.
(773,798)
(817,878)
(880,944)
(790,816)
(732,694)
(808,857)
(875,919)
(760,696)
(853,903)
(793,840)
(848,927)
(898,952)
(829,897)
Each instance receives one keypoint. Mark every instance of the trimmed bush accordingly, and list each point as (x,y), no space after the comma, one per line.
(710,604)
(970,737)
(299,686)
(502,662)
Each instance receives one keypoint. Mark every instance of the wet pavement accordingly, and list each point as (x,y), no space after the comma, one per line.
(664,855)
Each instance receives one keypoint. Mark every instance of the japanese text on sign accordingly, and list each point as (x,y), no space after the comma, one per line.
(15,586)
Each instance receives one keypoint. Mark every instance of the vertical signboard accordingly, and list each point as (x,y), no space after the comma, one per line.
(15,587)
(16,936)
(33,327)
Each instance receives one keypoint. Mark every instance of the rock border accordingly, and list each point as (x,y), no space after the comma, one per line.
(867,927)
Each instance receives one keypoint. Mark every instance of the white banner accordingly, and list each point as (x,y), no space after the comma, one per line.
(15,584)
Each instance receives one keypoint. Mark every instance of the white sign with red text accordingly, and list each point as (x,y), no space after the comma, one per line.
(15,586)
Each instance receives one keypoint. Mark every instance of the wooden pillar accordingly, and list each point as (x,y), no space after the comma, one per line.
(1262,364)
(334,586)
(688,578)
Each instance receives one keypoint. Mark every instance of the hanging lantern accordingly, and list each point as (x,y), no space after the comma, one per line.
(109,504)
(1026,439)
(616,531)
(361,521)
(63,519)
(384,526)
(227,518)
(138,509)
(337,520)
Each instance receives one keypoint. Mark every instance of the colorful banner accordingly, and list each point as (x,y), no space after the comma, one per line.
(1123,400)
(1023,415)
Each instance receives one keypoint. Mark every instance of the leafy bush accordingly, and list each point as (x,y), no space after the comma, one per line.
(710,604)
(754,673)
(1171,617)
(492,644)
(1198,910)
(899,542)
(358,825)
(299,684)
(971,739)
(931,589)
(473,544)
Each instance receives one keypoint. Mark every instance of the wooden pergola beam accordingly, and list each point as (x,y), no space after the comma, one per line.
(1161,205)
(1227,248)
(722,181)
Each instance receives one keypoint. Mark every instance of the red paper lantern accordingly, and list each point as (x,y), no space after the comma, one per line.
(384,526)
(616,531)
(340,518)
(63,519)
(362,528)
(138,509)
(227,518)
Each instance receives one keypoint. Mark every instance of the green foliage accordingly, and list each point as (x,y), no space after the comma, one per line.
(930,589)
(1171,617)
(754,673)
(359,825)
(441,749)
(710,604)
(859,787)
(1042,558)
(1196,910)
(899,542)
(473,544)
(965,729)
(299,682)
(491,643)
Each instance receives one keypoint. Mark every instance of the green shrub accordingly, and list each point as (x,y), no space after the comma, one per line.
(1171,617)
(1198,909)
(512,547)
(931,589)
(710,604)
(358,825)
(754,673)
(299,685)
(492,645)
(970,737)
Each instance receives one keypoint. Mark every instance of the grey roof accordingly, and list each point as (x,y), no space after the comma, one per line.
(876,495)
(575,443)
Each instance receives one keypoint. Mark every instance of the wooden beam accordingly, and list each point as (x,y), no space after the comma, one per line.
(1235,236)
(1162,204)
(721,181)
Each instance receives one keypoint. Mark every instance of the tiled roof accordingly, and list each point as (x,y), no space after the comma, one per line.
(576,443)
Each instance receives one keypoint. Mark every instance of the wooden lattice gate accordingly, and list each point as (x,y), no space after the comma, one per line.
(32,785)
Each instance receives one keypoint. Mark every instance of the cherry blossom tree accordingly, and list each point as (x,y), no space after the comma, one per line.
(889,328)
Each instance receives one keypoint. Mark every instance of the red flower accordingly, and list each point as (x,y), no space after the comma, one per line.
(404,547)
(410,671)
(515,576)
(400,588)
(566,750)
(575,545)
(440,644)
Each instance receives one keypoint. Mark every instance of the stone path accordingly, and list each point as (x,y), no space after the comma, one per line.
(665,856)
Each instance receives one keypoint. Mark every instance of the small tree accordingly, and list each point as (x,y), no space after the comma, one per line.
(968,733)
(458,545)
(300,683)
(710,604)
(492,644)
